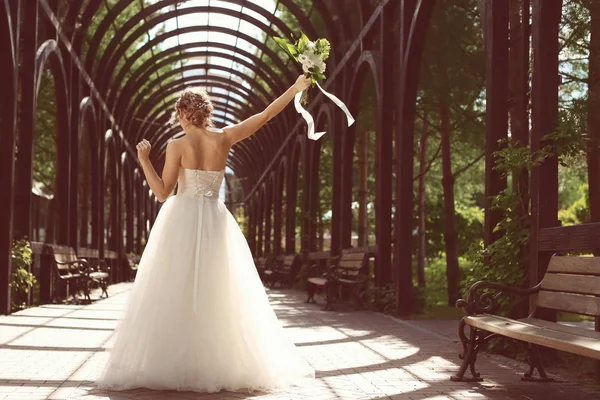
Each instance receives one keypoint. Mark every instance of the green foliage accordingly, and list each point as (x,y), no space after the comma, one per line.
(44,145)
(505,260)
(436,291)
(22,281)
(579,211)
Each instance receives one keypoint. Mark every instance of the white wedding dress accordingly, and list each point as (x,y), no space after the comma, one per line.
(198,317)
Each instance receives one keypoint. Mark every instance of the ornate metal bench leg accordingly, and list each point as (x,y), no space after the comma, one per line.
(328,296)
(469,356)
(535,362)
(311,289)
(86,290)
(104,285)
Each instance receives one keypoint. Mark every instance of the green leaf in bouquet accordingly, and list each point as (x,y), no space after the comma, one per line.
(302,44)
(287,47)
(320,76)
(304,38)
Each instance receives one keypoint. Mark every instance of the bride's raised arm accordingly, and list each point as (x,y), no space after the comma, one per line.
(246,128)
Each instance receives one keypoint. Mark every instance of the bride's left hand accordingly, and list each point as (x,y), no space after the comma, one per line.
(143,150)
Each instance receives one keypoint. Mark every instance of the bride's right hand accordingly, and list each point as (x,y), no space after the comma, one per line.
(302,83)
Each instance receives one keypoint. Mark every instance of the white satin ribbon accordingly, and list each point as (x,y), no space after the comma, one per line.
(198,243)
(309,119)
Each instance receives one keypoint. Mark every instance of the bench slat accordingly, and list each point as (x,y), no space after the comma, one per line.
(353,256)
(575,265)
(574,303)
(352,250)
(350,264)
(581,284)
(540,335)
(562,327)
(319,255)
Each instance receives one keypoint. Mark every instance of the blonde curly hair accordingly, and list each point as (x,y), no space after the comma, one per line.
(194,104)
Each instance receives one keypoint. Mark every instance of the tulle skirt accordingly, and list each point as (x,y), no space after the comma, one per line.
(197,254)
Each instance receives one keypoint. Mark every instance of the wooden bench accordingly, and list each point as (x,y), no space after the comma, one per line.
(283,270)
(349,270)
(570,284)
(70,269)
(67,269)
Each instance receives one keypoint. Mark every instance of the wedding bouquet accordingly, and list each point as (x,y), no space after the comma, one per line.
(312,56)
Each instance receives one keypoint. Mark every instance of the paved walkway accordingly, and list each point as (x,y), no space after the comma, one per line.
(56,352)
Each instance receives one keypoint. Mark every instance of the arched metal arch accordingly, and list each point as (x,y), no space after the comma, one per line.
(104,80)
(141,75)
(177,86)
(123,39)
(94,4)
(155,92)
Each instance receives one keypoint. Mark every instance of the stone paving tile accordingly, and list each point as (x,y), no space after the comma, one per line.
(57,351)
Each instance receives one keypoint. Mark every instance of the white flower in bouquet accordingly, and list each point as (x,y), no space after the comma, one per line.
(302,58)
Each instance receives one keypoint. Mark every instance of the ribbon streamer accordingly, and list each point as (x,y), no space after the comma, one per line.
(309,119)
(338,103)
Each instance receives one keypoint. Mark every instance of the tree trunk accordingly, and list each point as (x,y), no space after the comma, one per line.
(518,83)
(421,201)
(450,235)
(363,165)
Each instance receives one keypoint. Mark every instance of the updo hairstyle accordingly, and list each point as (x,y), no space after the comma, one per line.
(194,104)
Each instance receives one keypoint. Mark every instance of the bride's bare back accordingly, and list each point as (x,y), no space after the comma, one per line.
(206,150)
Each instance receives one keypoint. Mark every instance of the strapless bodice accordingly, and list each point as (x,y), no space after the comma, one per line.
(198,182)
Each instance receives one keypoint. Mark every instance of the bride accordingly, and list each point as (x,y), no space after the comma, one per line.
(198,317)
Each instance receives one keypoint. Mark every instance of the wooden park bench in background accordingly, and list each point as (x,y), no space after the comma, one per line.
(65,267)
(284,270)
(350,270)
(570,284)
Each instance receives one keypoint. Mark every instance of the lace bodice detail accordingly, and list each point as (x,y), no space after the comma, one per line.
(198,182)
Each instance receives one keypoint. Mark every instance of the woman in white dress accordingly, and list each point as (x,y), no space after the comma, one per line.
(198,317)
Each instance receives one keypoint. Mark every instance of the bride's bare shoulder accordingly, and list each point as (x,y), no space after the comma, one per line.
(175,146)
(176,141)
(216,130)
